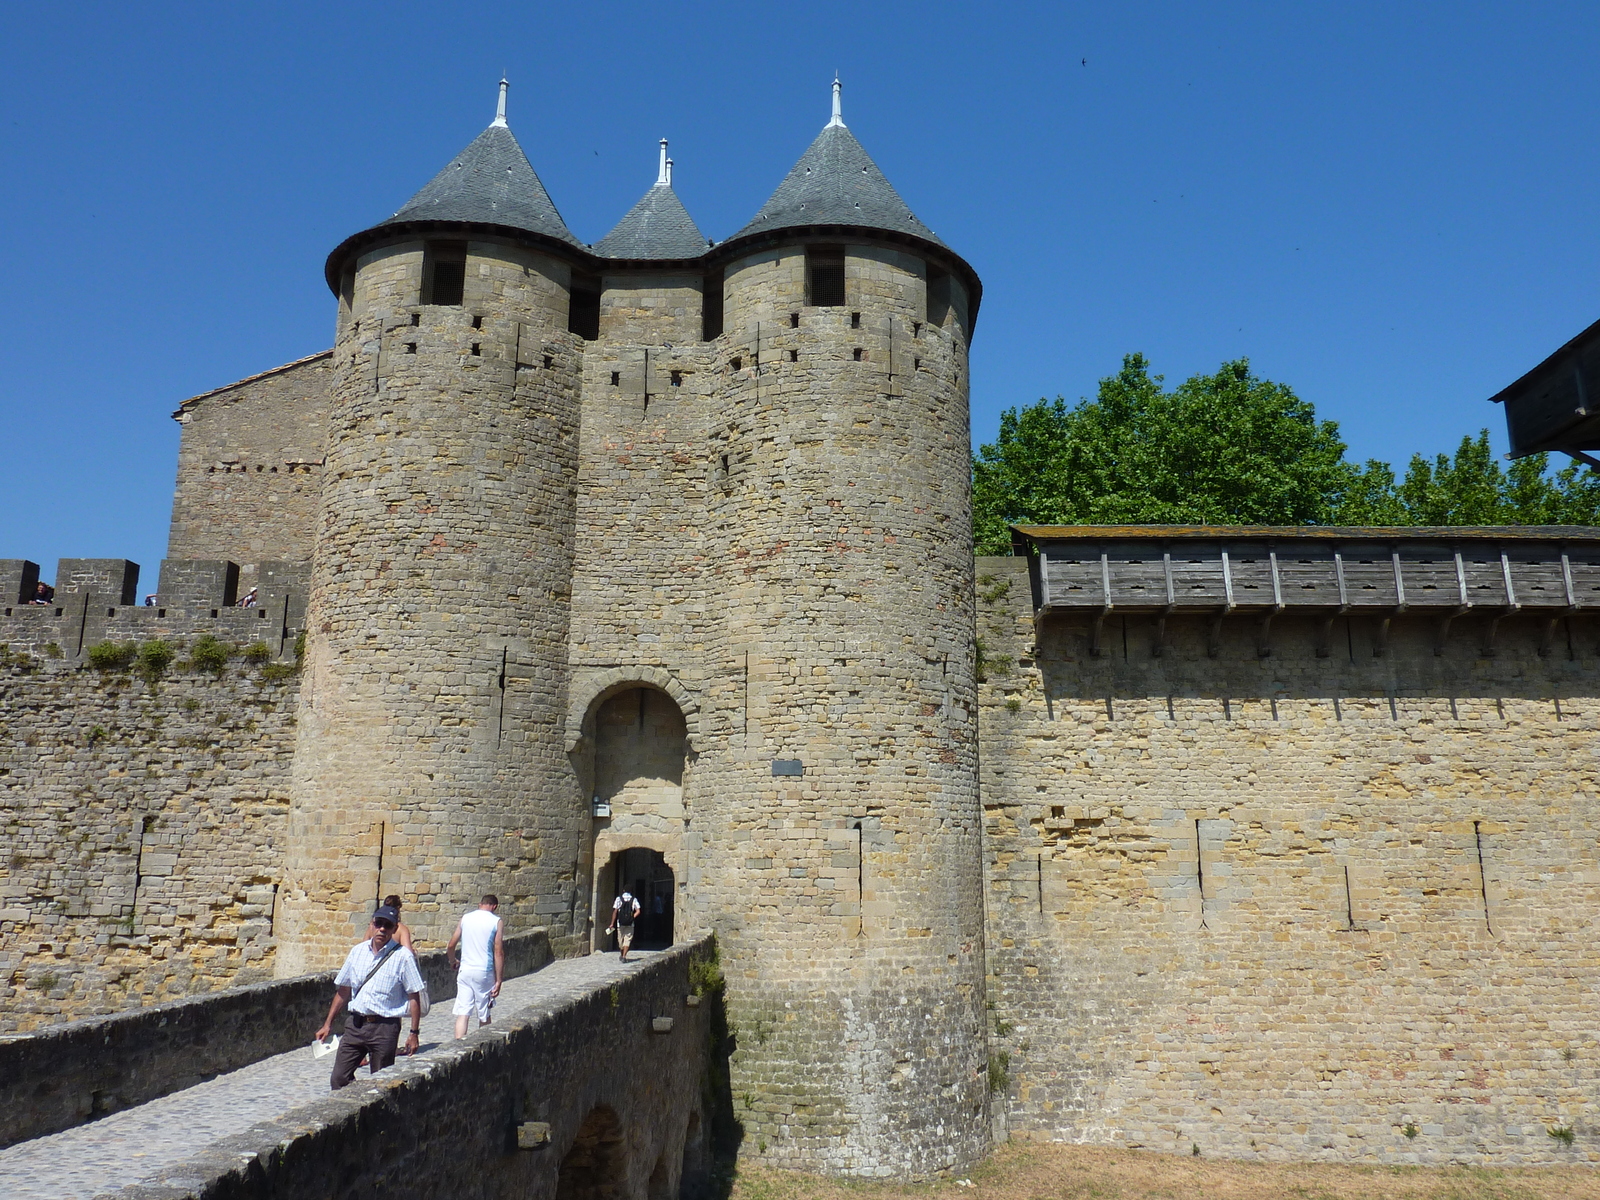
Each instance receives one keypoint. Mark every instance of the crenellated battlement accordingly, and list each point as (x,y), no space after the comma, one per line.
(97,600)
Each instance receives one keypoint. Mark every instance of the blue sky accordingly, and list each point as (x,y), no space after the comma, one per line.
(1391,208)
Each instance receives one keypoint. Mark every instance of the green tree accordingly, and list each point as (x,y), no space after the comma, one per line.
(1471,488)
(1227,448)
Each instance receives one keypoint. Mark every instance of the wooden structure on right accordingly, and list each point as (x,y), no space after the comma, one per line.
(1262,572)
(1556,406)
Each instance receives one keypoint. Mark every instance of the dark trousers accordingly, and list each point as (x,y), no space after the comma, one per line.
(377,1038)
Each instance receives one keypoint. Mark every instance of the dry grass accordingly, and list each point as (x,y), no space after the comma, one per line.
(1041,1172)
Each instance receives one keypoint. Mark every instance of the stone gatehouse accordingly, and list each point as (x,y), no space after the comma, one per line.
(648,564)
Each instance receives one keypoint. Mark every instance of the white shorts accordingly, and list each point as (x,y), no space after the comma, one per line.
(472,996)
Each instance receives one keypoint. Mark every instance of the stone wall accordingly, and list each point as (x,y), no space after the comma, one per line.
(250,468)
(608,1100)
(431,761)
(77,1072)
(773,531)
(143,827)
(1292,907)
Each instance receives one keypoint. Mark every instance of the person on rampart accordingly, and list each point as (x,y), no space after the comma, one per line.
(624,912)
(381,984)
(481,935)
(248,600)
(43,594)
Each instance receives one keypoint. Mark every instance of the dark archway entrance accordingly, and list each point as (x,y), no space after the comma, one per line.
(645,874)
(596,1167)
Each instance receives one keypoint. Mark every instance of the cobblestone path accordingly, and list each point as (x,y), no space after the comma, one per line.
(136,1144)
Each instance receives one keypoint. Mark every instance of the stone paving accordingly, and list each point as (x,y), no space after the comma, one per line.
(139,1144)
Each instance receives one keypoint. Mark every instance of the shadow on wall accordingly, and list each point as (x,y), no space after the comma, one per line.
(1145,657)
(714,1134)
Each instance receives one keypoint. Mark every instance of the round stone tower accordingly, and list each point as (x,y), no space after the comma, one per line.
(430,759)
(841,829)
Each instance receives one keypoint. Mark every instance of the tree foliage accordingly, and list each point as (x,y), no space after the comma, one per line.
(1233,449)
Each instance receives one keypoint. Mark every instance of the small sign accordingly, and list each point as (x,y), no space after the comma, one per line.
(602,808)
(788,766)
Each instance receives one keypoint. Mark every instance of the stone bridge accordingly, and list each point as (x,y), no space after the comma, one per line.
(592,1082)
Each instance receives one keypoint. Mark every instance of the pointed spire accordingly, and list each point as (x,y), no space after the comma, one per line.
(500,108)
(838,111)
(490,182)
(836,183)
(658,227)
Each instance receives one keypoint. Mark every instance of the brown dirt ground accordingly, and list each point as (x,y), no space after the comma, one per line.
(1051,1172)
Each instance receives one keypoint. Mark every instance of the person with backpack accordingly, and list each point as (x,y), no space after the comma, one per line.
(380,983)
(624,912)
(481,936)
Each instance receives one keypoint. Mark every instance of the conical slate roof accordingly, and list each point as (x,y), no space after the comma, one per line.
(837,183)
(492,183)
(657,227)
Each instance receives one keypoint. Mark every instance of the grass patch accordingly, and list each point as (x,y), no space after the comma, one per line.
(1021,1171)
(112,656)
(153,659)
(208,654)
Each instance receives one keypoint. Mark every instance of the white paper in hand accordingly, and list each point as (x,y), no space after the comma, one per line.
(323,1049)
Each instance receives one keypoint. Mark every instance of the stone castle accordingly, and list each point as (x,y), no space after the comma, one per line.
(649,564)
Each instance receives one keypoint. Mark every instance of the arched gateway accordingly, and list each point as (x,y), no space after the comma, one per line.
(633,759)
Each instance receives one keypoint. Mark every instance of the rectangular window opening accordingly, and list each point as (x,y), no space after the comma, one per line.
(416,319)
(583,317)
(825,276)
(858,353)
(444,272)
(616,379)
(938,296)
(738,364)
(677,379)
(855,320)
(477,349)
(477,322)
(711,306)
(549,360)
(794,320)
(794,356)
(411,347)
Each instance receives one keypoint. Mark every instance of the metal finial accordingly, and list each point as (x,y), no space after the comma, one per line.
(838,112)
(500,108)
(665,174)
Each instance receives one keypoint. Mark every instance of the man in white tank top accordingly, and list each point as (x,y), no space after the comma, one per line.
(481,936)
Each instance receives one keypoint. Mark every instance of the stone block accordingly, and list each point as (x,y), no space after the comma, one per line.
(114,580)
(198,583)
(18,580)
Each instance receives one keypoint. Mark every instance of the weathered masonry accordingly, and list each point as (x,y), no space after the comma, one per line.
(639,564)
(647,564)
(1440,574)
(1291,838)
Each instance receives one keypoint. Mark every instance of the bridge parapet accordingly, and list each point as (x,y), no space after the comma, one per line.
(73,1073)
(597,1088)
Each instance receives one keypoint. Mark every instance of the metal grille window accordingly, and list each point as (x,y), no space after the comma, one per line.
(825,276)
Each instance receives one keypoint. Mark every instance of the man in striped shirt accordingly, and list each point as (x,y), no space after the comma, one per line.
(381,984)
